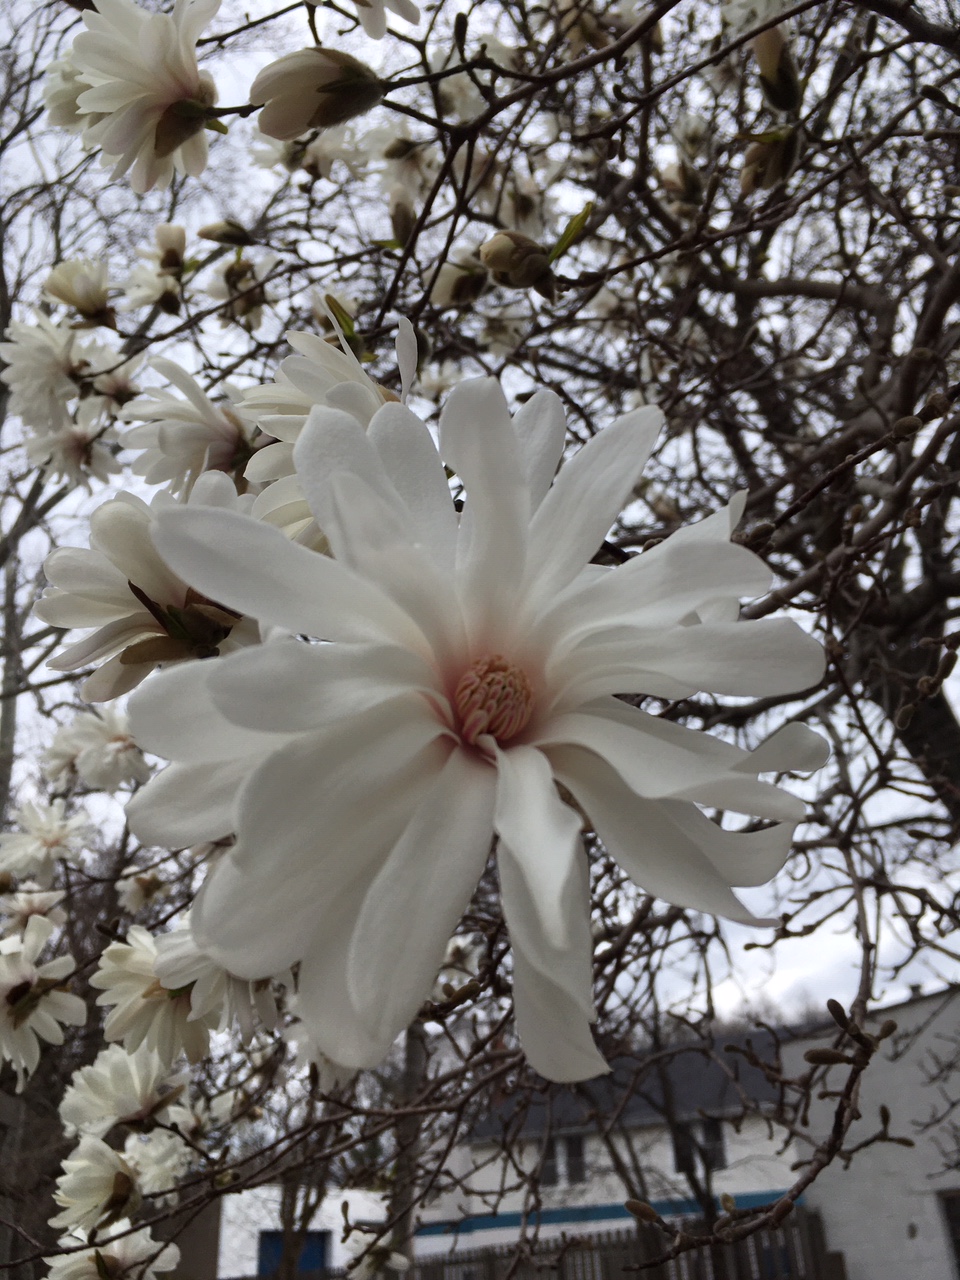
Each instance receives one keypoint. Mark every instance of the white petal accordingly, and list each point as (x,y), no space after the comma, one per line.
(187,804)
(553,1030)
(586,497)
(679,861)
(417,899)
(541,427)
(542,832)
(411,460)
(252,568)
(794,748)
(568,965)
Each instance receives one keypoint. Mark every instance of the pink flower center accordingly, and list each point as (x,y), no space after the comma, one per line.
(493,696)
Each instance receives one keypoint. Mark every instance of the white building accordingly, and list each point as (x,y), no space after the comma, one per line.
(896,1211)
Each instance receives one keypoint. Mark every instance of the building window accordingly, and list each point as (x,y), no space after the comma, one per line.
(699,1142)
(576,1167)
(563,1161)
(713,1149)
(951,1211)
(313,1255)
(549,1172)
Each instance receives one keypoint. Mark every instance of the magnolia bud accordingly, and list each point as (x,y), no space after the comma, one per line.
(519,262)
(227,232)
(779,77)
(769,161)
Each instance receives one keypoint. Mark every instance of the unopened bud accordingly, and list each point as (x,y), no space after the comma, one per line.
(519,262)
(826,1057)
(227,232)
(938,406)
(779,77)
(838,1014)
(642,1211)
(769,161)
(905,715)
(403,217)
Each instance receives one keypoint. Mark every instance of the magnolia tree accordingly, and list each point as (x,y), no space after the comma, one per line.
(458,465)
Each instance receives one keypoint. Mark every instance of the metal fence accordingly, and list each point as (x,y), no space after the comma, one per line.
(793,1251)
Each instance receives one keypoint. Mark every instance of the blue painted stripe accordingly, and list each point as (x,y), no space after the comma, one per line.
(584,1213)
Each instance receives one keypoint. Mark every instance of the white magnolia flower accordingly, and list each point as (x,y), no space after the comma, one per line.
(134,892)
(313,88)
(96,1189)
(371,1256)
(468,667)
(33,1003)
(30,900)
(143,613)
(157,280)
(46,836)
(373,14)
(62,86)
(214,993)
(134,1089)
(97,748)
(83,285)
(147,99)
(135,1255)
(159,1159)
(460,280)
(144,1011)
(42,365)
(78,448)
(182,438)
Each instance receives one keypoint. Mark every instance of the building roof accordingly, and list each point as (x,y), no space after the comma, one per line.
(686,1081)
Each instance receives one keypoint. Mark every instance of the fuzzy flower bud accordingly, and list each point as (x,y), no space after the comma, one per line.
(519,262)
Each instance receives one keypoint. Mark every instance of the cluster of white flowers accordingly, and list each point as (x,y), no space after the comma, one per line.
(33,1003)
(46,836)
(97,749)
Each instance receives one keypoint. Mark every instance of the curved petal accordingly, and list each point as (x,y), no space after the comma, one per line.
(794,748)
(309,841)
(411,460)
(680,861)
(541,429)
(174,715)
(553,1030)
(585,499)
(251,567)
(419,895)
(569,965)
(543,834)
(188,803)
(477,439)
(658,759)
(291,687)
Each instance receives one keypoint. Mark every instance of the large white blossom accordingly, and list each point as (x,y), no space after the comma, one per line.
(146,97)
(33,1003)
(47,835)
(159,1159)
(98,748)
(142,1010)
(183,436)
(469,665)
(124,1253)
(142,612)
(96,1189)
(135,1089)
